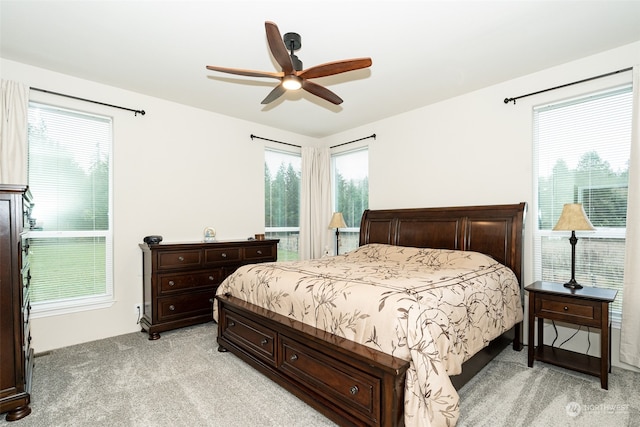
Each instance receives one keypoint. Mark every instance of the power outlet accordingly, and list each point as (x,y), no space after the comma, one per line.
(137,308)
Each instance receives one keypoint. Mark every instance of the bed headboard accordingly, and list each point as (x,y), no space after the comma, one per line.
(495,230)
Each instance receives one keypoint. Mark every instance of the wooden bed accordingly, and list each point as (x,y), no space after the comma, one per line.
(350,383)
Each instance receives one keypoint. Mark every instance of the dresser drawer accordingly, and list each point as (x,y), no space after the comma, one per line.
(260,341)
(259,252)
(179,259)
(221,255)
(183,306)
(333,379)
(573,310)
(170,283)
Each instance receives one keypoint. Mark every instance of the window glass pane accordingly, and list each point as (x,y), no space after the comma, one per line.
(69,176)
(581,155)
(282,173)
(75,265)
(351,193)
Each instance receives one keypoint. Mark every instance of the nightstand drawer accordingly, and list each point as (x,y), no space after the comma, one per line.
(573,310)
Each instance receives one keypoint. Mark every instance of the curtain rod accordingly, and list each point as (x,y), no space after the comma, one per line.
(508,100)
(273,140)
(141,112)
(355,140)
(298,146)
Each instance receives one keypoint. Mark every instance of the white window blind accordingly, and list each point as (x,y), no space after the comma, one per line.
(69,176)
(581,155)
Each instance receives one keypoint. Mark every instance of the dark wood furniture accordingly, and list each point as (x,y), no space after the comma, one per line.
(16,353)
(348,382)
(587,307)
(180,279)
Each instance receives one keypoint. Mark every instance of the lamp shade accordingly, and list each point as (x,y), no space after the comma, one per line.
(337,221)
(573,217)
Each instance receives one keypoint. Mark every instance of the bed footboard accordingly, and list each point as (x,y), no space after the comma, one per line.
(349,383)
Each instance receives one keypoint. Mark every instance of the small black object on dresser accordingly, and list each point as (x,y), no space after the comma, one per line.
(16,353)
(586,307)
(180,279)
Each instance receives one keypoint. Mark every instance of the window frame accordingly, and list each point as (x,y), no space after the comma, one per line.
(272,232)
(96,301)
(351,229)
(539,234)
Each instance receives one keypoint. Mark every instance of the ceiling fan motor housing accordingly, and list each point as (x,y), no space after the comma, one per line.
(293,42)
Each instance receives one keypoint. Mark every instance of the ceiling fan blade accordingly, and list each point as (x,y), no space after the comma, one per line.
(321,91)
(335,67)
(277,47)
(276,93)
(242,72)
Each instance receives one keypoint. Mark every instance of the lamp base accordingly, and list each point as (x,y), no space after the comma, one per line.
(572,284)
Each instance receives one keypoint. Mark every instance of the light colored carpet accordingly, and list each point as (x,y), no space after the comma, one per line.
(182,380)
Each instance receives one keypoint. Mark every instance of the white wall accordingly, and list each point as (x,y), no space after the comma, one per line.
(177,170)
(475,149)
(174,177)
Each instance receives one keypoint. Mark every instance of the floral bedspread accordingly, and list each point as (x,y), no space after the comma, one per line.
(433,307)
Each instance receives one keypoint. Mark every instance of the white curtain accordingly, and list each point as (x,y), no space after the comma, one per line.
(315,207)
(13,133)
(630,332)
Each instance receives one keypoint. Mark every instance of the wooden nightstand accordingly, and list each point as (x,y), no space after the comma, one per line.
(586,307)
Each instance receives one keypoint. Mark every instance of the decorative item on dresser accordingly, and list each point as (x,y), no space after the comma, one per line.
(180,279)
(16,353)
(586,306)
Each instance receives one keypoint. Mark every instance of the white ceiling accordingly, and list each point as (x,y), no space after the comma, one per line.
(422,51)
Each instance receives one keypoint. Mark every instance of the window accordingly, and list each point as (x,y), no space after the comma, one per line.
(71,242)
(350,177)
(581,155)
(282,174)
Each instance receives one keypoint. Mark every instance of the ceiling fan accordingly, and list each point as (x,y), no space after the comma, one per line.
(293,76)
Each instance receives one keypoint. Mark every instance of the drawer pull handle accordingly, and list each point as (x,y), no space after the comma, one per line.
(259,252)
(211,278)
(566,308)
(171,283)
(211,300)
(172,307)
(232,323)
(354,390)
(223,255)
(264,341)
(180,258)
(293,357)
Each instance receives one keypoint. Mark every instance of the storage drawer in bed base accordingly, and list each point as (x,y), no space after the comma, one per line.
(366,388)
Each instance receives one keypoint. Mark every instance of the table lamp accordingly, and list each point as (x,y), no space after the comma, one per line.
(572,218)
(337,221)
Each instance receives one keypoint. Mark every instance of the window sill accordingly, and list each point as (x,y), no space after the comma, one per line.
(68,307)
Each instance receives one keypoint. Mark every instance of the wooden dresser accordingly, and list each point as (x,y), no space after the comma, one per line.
(16,353)
(180,279)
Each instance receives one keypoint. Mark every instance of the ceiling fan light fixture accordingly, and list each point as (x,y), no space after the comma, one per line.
(292,82)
